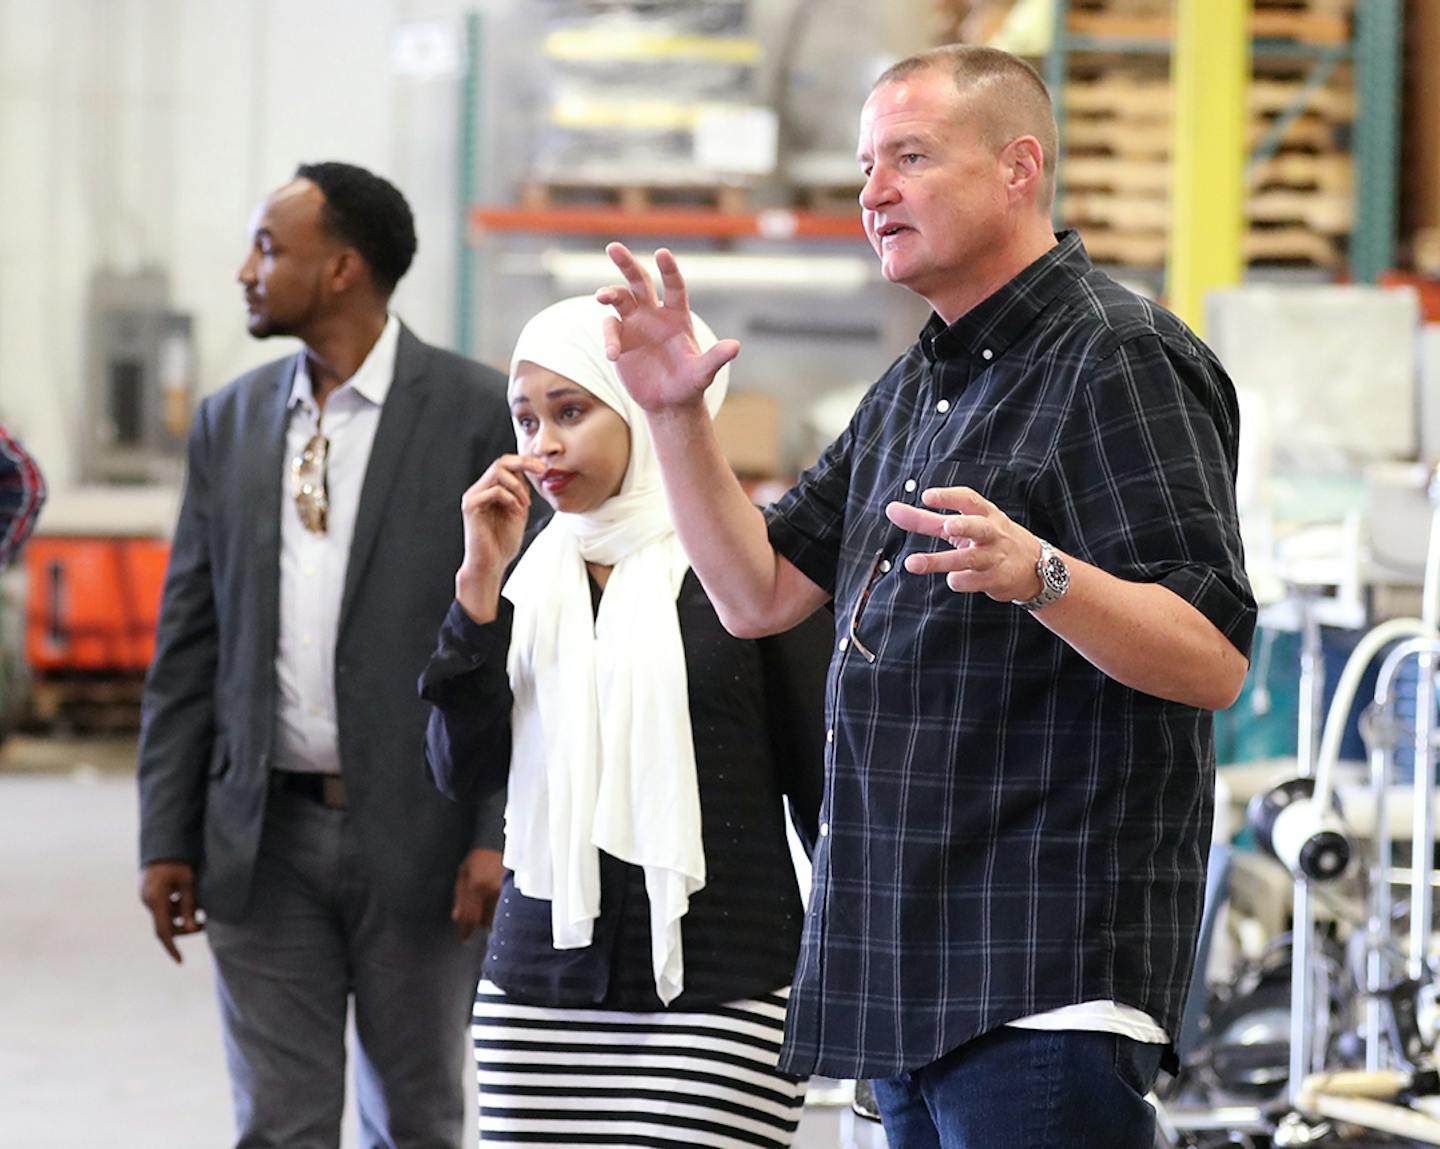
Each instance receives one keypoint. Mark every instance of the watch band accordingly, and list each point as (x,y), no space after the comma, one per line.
(1054,579)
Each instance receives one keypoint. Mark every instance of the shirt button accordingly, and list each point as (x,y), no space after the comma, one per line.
(884,566)
(943,406)
(844,644)
(987,354)
(910,484)
(307,641)
(824,829)
(314,712)
(830,735)
(309,572)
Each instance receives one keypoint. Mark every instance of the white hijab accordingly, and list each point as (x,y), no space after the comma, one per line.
(603,757)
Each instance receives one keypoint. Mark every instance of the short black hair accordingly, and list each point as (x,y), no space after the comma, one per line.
(367,212)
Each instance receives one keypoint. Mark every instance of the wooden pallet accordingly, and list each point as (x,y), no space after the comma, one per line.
(1114,173)
(1329,215)
(1321,212)
(1117,213)
(1121,97)
(1334,102)
(1152,139)
(1330,174)
(1118,138)
(1305,25)
(1125,7)
(1293,244)
(1129,248)
(729,199)
(1142,101)
(1333,173)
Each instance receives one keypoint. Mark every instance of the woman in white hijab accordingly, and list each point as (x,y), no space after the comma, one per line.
(640,961)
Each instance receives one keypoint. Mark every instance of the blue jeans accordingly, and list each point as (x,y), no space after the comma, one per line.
(1026,1089)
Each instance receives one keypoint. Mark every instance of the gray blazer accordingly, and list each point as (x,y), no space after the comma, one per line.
(208,720)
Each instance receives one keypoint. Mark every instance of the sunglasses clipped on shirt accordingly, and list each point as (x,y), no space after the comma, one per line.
(307,483)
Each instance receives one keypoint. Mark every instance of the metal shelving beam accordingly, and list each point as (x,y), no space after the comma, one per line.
(1379,33)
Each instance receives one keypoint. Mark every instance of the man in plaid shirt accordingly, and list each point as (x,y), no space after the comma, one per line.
(1029,536)
(22,493)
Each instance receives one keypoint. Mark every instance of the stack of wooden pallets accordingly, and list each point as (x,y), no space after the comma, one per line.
(631,99)
(1115,173)
(1308,21)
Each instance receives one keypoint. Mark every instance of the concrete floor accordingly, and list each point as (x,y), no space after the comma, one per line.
(103,1041)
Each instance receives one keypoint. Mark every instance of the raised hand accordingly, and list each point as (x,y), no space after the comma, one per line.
(652,341)
(495,510)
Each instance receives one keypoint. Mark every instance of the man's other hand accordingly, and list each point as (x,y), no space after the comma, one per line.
(168,891)
(988,551)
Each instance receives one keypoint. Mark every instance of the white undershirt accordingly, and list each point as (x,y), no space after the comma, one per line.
(1099,1017)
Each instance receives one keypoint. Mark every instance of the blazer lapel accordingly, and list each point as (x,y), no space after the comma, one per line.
(398,418)
(264,452)
(267,474)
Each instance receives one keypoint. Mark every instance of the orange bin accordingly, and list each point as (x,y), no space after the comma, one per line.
(93,602)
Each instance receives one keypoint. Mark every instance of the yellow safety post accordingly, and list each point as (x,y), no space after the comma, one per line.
(1210,73)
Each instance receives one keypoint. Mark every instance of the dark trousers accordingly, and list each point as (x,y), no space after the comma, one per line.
(1026,1089)
(315,941)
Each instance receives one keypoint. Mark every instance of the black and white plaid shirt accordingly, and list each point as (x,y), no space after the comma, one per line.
(1005,830)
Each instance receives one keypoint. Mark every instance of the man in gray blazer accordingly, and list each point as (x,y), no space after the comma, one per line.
(284,802)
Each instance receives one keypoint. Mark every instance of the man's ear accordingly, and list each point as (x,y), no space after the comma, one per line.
(1026,161)
(347,269)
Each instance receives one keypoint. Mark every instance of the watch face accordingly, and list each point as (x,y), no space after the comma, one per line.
(1056,576)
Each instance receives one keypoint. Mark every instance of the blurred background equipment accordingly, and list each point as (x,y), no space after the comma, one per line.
(644,104)
(141,380)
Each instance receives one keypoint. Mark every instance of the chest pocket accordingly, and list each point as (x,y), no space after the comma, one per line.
(1001,485)
(874,582)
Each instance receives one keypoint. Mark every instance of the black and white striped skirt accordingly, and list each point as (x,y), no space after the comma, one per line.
(565,1077)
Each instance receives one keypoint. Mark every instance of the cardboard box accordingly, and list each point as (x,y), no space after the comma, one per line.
(748,427)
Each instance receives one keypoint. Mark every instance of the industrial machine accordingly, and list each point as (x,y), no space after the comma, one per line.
(140,381)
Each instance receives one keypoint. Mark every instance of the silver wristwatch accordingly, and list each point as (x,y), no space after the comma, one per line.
(1054,579)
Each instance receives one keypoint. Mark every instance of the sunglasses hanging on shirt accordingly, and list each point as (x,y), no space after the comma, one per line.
(307,483)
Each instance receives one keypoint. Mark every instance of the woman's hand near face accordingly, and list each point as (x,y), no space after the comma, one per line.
(494,510)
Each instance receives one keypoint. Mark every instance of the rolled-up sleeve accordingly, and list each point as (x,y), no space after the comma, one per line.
(1142,482)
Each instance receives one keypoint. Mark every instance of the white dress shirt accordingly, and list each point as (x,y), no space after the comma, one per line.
(312,566)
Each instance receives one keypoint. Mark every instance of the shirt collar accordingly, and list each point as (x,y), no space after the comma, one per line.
(993,324)
(372,379)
